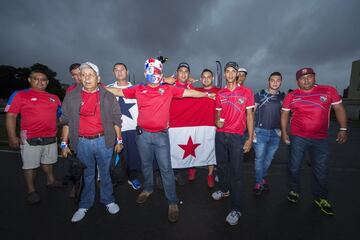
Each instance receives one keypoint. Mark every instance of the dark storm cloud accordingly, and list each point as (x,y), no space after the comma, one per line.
(263,36)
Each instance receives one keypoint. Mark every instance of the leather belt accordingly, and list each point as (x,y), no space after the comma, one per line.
(93,136)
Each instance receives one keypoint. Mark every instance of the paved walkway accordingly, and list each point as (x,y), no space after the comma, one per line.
(269,216)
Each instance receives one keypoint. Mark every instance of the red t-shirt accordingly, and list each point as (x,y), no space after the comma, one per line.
(233,106)
(153,104)
(90,116)
(38,110)
(183,85)
(311,110)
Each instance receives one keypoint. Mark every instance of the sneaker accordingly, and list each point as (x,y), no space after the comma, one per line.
(258,189)
(173,213)
(265,185)
(324,206)
(191,174)
(33,198)
(220,194)
(210,181)
(180,180)
(143,197)
(112,208)
(233,217)
(293,197)
(79,215)
(158,181)
(135,184)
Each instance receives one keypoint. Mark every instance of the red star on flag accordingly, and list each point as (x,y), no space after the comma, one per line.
(189,148)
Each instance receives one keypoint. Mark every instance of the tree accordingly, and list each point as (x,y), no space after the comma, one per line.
(12,79)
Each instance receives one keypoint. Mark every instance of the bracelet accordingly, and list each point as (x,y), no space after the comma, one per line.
(63,145)
(343,129)
(119,141)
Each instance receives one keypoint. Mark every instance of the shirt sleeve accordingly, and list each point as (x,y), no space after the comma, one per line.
(251,102)
(286,103)
(14,104)
(218,102)
(177,92)
(335,97)
(130,92)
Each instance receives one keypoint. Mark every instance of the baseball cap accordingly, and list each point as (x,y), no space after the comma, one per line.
(232,64)
(303,71)
(90,65)
(242,70)
(183,64)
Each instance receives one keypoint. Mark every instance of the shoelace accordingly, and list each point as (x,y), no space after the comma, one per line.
(325,203)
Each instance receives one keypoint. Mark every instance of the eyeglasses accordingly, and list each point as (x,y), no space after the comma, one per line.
(38,79)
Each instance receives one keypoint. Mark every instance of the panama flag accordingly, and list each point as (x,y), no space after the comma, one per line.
(192,132)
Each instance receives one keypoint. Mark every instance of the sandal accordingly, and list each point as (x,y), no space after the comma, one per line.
(55,184)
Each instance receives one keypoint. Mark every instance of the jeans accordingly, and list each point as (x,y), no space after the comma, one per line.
(229,157)
(92,153)
(267,142)
(157,144)
(319,154)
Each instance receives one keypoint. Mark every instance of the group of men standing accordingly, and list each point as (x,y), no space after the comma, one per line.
(100,121)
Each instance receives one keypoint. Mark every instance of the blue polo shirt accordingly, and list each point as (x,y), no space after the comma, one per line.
(267,114)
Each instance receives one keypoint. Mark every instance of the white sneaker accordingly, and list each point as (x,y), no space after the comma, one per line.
(79,215)
(112,208)
(233,217)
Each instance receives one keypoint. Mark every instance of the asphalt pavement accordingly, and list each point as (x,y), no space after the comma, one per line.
(269,216)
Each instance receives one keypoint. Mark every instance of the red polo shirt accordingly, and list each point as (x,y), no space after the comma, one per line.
(311,110)
(153,104)
(38,110)
(233,105)
(90,116)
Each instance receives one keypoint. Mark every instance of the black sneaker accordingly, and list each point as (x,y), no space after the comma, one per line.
(265,185)
(258,189)
(324,206)
(33,198)
(293,197)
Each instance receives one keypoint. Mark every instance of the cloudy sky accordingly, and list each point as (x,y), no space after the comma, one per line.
(261,35)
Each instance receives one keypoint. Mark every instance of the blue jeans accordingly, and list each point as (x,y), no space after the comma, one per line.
(319,154)
(92,153)
(267,142)
(229,159)
(157,144)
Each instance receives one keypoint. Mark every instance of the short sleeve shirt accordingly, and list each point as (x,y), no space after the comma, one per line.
(153,104)
(311,110)
(38,110)
(232,106)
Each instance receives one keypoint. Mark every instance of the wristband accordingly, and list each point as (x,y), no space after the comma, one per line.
(119,141)
(343,129)
(63,145)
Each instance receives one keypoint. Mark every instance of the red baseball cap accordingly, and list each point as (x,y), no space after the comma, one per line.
(303,71)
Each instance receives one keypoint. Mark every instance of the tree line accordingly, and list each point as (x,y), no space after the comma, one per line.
(12,79)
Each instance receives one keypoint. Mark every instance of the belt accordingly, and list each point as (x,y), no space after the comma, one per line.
(93,136)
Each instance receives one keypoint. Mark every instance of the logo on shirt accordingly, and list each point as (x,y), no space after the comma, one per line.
(323,98)
(33,99)
(161,91)
(144,91)
(241,100)
(52,100)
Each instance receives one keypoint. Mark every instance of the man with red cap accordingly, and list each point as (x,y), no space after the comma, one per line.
(154,102)
(310,105)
